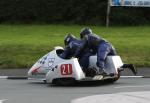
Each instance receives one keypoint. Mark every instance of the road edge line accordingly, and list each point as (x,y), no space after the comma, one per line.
(13,77)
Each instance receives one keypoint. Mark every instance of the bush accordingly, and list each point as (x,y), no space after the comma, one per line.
(69,11)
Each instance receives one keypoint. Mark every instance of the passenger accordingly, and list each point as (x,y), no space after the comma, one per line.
(72,49)
(99,46)
(71,46)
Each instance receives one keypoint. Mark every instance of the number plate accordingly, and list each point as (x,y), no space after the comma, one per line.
(66,69)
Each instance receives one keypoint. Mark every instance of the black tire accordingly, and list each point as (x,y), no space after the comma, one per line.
(112,80)
(64,81)
(45,81)
(116,78)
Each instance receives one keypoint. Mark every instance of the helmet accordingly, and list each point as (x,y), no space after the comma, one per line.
(85,31)
(68,38)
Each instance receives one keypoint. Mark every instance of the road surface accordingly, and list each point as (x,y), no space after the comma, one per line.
(30,91)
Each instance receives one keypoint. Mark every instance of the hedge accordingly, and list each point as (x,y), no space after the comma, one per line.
(69,11)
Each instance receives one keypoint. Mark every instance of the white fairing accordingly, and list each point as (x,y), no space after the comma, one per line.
(51,66)
(44,64)
(113,63)
(69,68)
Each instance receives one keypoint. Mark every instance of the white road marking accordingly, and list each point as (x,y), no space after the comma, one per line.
(3,77)
(131,76)
(1,101)
(13,77)
(125,97)
(136,86)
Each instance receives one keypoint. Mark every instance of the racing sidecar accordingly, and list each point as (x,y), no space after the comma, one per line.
(53,69)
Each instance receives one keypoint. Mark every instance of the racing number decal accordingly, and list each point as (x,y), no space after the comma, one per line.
(66,69)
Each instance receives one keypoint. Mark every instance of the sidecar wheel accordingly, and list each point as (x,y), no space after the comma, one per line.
(116,78)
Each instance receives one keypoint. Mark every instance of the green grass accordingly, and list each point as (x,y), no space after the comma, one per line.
(22,45)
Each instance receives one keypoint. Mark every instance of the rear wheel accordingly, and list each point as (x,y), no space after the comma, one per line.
(114,79)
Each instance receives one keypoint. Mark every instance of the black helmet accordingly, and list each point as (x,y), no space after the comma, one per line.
(68,38)
(85,31)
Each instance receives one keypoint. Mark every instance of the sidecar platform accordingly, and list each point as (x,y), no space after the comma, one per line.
(98,78)
(85,81)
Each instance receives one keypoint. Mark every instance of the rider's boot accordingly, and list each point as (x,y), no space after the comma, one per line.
(102,72)
(90,72)
(131,67)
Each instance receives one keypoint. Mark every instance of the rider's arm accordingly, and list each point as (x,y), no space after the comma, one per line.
(65,54)
(81,47)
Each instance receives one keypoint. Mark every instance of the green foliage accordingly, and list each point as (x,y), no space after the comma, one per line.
(69,11)
(22,45)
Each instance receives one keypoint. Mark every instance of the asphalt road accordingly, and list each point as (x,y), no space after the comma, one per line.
(30,91)
(23,72)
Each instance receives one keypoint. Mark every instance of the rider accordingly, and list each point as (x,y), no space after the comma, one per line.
(100,46)
(72,49)
(71,45)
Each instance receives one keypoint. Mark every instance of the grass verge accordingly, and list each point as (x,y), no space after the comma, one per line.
(22,45)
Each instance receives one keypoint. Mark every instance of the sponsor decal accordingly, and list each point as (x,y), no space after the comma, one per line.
(42,61)
(51,62)
(66,69)
(54,68)
(35,71)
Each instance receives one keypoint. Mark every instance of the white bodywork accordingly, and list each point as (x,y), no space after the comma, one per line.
(44,64)
(112,65)
(68,69)
(51,67)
